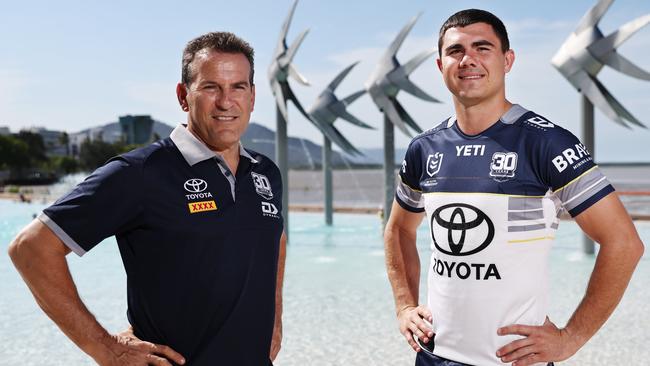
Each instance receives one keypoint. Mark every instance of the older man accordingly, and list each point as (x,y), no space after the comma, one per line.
(198,222)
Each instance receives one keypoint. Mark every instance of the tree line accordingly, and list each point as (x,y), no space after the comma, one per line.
(24,154)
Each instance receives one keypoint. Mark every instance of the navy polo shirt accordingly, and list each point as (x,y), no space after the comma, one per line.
(199,244)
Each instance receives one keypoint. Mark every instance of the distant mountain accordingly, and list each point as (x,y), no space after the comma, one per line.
(302,153)
(375,157)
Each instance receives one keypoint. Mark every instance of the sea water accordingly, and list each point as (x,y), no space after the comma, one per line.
(338,306)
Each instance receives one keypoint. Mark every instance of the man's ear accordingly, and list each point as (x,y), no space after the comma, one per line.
(252,97)
(439,63)
(181,94)
(510,60)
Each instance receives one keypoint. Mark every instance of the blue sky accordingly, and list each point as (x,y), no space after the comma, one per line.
(69,65)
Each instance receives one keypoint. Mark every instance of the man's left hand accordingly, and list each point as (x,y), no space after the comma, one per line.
(544,343)
(276,341)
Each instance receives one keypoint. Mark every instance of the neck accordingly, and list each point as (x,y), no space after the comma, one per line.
(230,153)
(231,157)
(473,119)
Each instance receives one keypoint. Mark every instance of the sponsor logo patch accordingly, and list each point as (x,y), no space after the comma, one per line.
(460,230)
(269,209)
(201,195)
(470,150)
(503,165)
(262,185)
(575,156)
(195,185)
(434,162)
(202,206)
(451,224)
(540,122)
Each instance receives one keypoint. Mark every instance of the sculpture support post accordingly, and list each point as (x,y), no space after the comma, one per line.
(327,179)
(589,142)
(389,167)
(281,145)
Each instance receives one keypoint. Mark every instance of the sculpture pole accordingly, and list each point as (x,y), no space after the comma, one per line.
(279,71)
(327,179)
(281,143)
(389,167)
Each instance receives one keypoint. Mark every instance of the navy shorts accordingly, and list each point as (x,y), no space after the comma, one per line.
(425,358)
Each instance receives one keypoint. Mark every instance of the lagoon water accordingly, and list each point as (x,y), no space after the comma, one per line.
(338,304)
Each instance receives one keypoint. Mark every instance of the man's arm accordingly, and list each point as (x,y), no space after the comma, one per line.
(403,265)
(276,341)
(39,255)
(608,223)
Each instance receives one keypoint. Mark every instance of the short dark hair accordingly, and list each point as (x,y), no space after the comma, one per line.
(216,41)
(467,17)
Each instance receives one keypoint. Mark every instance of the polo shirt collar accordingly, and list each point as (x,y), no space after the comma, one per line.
(194,150)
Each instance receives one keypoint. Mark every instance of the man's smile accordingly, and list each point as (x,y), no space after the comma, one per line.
(225,118)
(471,76)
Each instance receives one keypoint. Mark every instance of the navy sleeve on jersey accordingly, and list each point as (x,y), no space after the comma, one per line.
(104,204)
(277,186)
(408,193)
(569,170)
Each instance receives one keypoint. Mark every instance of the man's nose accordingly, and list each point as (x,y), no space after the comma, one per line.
(468,60)
(224,100)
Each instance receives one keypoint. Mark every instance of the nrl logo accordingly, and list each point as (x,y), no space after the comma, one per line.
(433,163)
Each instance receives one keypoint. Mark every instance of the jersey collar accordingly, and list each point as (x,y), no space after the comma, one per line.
(511,116)
(194,150)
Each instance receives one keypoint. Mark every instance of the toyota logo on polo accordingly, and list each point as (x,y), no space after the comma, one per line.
(195,185)
(459,229)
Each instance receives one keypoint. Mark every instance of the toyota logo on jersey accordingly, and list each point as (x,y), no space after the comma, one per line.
(459,229)
(195,185)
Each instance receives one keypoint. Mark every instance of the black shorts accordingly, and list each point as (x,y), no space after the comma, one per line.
(425,358)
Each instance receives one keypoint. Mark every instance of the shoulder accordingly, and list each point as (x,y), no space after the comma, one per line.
(264,163)
(433,132)
(429,136)
(542,127)
(148,155)
(547,136)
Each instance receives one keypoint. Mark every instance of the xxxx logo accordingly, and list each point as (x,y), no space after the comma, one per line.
(202,206)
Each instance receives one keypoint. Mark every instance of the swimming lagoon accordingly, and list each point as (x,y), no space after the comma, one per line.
(338,307)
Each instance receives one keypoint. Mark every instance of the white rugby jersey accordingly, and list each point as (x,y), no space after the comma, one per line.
(493,203)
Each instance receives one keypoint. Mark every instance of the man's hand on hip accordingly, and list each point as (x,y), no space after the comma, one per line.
(411,322)
(544,343)
(126,349)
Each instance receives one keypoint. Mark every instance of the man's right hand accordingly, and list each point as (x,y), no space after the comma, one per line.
(126,349)
(411,322)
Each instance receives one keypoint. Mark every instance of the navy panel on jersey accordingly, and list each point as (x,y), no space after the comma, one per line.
(521,154)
